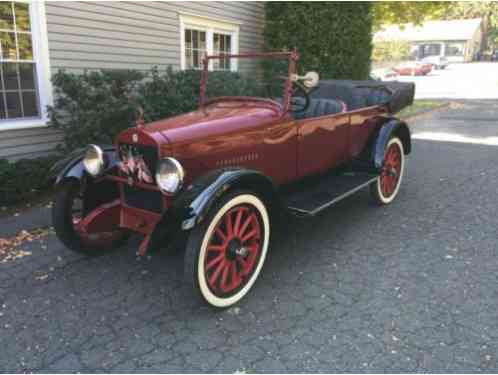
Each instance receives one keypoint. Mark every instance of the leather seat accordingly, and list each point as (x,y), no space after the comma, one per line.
(320,107)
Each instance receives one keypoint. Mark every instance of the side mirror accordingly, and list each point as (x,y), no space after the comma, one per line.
(309,80)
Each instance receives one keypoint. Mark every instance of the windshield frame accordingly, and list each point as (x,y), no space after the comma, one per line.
(291,56)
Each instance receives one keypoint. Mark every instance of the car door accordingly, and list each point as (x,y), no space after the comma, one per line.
(280,143)
(323,143)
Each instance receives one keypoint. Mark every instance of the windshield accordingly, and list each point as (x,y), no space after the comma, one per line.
(252,76)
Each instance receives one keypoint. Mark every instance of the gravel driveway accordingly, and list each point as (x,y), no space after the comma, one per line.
(409,287)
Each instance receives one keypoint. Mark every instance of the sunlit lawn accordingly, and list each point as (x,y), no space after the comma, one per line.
(421,106)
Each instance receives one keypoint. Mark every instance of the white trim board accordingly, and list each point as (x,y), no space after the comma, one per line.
(41,57)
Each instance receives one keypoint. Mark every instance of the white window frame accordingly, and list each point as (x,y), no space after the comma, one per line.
(38,20)
(210,26)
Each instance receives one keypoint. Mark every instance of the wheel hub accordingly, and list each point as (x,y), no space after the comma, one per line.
(233,248)
(390,171)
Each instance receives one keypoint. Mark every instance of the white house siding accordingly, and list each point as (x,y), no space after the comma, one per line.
(123,35)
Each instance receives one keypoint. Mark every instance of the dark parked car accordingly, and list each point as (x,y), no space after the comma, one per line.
(213,180)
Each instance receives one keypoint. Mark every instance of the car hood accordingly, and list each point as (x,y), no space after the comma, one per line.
(216,119)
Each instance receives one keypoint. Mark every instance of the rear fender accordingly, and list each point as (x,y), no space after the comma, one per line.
(391,127)
(192,205)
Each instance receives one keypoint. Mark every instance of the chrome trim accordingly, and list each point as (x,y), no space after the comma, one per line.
(100,157)
(180,170)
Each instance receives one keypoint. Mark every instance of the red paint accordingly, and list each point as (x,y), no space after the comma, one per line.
(323,143)
(101,226)
(363,122)
(413,69)
(391,170)
(102,219)
(138,220)
(246,132)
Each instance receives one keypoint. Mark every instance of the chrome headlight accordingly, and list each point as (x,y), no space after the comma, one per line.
(94,160)
(169,175)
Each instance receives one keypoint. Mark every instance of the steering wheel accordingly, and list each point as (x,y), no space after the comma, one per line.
(300,98)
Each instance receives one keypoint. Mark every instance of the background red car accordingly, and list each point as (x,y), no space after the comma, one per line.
(413,69)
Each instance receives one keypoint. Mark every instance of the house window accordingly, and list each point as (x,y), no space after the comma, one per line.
(24,78)
(430,50)
(18,97)
(195,48)
(200,36)
(454,49)
(222,44)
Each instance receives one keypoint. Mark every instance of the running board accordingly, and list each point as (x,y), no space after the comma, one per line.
(311,197)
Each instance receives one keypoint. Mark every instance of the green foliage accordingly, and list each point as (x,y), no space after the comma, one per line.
(395,50)
(94,106)
(332,38)
(169,93)
(401,12)
(23,180)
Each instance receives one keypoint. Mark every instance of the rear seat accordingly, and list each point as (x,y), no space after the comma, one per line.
(321,107)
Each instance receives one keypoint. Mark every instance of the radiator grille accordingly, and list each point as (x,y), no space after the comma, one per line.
(136,197)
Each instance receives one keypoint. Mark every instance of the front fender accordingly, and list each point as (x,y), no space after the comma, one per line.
(389,128)
(192,205)
(72,165)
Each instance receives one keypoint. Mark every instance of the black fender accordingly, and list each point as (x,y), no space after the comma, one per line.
(392,126)
(191,206)
(72,165)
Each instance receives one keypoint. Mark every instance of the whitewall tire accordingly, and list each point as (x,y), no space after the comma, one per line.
(226,252)
(386,188)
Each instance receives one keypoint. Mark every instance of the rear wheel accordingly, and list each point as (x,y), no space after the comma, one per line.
(67,213)
(386,188)
(226,252)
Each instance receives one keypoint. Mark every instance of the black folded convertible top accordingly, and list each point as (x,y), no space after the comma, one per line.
(358,94)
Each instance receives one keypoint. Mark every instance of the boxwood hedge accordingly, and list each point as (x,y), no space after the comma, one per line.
(333,38)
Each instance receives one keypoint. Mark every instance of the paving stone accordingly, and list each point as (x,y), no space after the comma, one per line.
(410,287)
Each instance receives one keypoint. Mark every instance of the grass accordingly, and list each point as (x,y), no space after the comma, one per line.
(421,106)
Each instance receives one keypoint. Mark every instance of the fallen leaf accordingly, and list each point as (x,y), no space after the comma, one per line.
(10,246)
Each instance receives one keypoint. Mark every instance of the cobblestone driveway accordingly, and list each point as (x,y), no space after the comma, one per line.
(409,287)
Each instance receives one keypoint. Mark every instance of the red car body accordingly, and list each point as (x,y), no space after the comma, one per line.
(415,69)
(227,142)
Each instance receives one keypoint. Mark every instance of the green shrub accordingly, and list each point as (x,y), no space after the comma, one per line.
(93,106)
(168,93)
(335,39)
(23,180)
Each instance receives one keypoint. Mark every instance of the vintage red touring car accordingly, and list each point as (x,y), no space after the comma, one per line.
(212,179)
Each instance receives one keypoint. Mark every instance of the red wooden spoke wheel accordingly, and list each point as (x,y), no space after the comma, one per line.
(226,253)
(233,250)
(391,170)
(387,186)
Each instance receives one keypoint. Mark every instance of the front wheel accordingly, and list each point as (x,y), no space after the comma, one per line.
(386,188)
(67,212)
(226,252)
